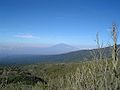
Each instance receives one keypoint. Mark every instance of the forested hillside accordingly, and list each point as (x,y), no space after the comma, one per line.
(76,56)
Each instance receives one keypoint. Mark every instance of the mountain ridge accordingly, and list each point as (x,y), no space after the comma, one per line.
(80,55)
(55,49)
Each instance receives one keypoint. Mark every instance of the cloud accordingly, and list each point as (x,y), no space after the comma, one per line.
(27,36)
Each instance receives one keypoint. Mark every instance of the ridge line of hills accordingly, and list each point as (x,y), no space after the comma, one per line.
(74,56)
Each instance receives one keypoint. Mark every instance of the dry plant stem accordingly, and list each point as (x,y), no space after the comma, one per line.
(98,54)
(115,50)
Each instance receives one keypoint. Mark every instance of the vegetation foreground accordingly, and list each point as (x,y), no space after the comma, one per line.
(89,75)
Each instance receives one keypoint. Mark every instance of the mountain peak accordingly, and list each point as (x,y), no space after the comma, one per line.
(63,44)
(56,49)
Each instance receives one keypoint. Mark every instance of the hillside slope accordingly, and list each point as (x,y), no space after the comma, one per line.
(76,56)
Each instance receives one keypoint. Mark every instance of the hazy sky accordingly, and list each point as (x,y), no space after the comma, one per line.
(48,22)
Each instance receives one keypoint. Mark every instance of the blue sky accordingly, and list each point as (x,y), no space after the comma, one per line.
(49,22)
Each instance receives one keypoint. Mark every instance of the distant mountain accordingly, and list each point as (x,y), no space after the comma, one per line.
(60,49)
(56,49)
(75,56)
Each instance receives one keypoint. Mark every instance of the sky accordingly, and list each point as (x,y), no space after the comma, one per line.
(49,22)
